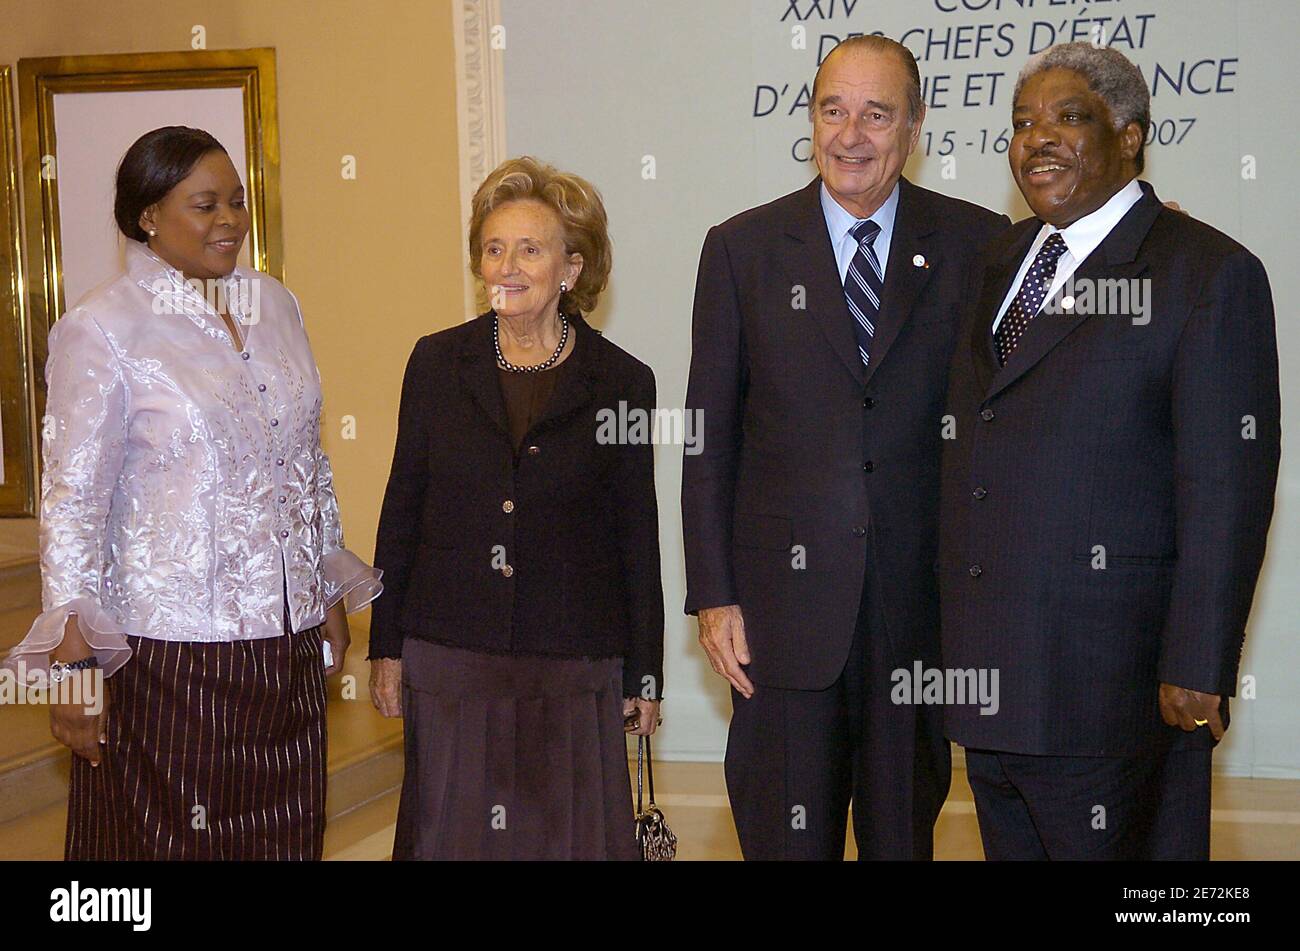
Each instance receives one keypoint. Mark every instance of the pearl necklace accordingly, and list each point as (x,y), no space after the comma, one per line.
(507,365)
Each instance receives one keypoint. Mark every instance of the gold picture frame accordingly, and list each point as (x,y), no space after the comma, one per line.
(17,440)
(40,80)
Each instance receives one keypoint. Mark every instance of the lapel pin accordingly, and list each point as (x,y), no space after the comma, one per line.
(918,260)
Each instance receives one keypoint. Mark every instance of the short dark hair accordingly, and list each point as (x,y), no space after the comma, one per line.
(872,43)
(155,164)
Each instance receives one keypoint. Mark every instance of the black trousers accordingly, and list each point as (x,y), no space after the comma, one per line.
(1152,806)
(796,759)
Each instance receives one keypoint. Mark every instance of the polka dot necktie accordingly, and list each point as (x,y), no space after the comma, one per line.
(1029,299)
(863,285)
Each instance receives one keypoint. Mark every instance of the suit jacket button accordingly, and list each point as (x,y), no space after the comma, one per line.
(859,531)
(507,570)
(868,466)
(534,450)
(980,492)
(986,414)
(869,402)
(507,506)
(976,571)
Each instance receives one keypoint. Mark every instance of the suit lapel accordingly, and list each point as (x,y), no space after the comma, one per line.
(811,264)
(477,369)
(904,279)
(576,386)
(1116,258)
(997,281)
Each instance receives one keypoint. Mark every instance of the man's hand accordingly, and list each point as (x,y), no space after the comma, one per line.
(386,686)
(1182,707)
(336,632)
(722,635)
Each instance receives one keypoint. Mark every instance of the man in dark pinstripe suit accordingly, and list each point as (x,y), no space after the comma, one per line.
(1108,492)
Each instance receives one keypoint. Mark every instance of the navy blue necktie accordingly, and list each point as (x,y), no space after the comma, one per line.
(864,285)
(1029,299)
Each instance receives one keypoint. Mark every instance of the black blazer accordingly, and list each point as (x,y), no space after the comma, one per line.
(553,552)
(804,446)
(1102,436)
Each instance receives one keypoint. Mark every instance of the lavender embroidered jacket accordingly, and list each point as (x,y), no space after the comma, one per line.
(185,490)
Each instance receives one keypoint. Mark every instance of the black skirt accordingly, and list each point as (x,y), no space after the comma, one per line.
(512,757)
(215,751)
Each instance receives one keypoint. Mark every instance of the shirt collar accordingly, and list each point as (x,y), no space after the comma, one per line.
(1083,236)
(144,266)
(174,294)
(839,220)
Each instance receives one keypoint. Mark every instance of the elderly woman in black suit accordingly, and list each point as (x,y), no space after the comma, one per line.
(522,634)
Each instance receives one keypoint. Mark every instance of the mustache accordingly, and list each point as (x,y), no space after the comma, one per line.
(1040,156)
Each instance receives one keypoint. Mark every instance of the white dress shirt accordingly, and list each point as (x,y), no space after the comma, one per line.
(1081,239)
(184,489)
(840,221)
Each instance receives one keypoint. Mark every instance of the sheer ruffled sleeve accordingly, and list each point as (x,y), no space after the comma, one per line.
(83,444)
(347,577)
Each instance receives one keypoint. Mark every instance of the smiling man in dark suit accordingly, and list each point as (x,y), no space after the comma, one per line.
(1108,492)
(824,323)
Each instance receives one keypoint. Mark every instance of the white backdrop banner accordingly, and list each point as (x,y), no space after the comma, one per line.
(685,112)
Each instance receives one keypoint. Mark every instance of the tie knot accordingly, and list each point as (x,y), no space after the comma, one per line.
(864,232)
(1053,247)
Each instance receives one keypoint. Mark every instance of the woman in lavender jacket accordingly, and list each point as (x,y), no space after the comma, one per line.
(191,549)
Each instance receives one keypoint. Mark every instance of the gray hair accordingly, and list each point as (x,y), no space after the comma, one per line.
(1110,74)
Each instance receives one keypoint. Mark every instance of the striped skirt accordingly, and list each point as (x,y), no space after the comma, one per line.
(513,757)
(215,751)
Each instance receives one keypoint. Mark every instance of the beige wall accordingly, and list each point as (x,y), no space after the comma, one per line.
(375,261)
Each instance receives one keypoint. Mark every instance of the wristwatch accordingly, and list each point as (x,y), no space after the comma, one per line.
(59,671)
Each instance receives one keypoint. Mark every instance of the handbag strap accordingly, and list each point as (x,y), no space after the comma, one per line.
(650,769)
(643,757)
(640,758)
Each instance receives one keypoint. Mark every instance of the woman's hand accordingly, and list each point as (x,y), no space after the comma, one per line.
(75,727)
(386,685)
(70,722)
(647,716)
(338,636)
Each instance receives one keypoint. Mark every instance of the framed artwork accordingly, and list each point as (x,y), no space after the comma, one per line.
(79,115)
(17,440)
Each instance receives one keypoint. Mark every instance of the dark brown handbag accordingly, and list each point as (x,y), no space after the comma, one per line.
(653,837)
